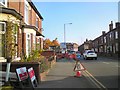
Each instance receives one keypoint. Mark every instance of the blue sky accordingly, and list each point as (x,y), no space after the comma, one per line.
(88,19)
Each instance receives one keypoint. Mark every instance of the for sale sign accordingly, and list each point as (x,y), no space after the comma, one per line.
(22,73)
(31,74)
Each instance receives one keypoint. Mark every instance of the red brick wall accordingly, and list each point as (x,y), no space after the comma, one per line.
(14,5)
(33,18)
(24,42)
(18,6)
(48,53)
(19,39)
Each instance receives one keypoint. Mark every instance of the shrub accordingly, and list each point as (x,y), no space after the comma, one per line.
(37,57)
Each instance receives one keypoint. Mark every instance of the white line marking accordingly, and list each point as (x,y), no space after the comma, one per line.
(106,62)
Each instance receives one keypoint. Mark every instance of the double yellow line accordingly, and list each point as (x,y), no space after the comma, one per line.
(94,80)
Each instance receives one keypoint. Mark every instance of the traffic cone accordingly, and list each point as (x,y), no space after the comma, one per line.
(78,74)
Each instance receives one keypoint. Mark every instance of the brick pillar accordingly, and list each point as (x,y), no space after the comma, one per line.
(32,48)
(19,39)
(24,43)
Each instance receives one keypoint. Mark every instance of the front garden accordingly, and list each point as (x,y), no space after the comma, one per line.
(40,61)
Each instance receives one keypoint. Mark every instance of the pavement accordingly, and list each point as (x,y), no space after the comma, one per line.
(61,75)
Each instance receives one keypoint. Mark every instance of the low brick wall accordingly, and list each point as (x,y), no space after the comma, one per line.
(36,66)
(14,65)
(43,75)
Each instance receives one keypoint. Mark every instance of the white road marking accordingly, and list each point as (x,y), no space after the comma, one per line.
(106,62)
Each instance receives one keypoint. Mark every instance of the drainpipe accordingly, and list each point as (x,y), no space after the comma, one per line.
(8,69)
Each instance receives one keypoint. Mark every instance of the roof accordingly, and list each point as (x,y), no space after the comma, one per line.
(33,27)
(11,11)
(35,9)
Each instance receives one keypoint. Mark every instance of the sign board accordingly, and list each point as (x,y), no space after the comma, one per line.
(79,67)
(32,77)
(31,74)
(22,73)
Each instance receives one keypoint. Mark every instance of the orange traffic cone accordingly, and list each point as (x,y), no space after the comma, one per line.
(78,74)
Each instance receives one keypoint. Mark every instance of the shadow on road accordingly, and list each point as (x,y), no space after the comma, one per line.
(69,82)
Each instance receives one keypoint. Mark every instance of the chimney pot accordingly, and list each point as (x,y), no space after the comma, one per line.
(103,32)
(111,26)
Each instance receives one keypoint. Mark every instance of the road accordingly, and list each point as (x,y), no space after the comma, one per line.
(105,70)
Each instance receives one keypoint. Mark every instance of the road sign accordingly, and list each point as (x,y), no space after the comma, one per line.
(22,73)
(79,66)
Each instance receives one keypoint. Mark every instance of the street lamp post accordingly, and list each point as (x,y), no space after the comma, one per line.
(65,35)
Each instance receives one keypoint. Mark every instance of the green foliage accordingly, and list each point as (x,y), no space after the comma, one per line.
(45,65)
(10,38)
(37,57)
(6,88)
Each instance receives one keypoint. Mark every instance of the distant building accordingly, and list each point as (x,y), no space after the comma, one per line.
(87,45)
(108,44)
(69,46)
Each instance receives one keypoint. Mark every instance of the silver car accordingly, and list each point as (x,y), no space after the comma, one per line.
(89,54)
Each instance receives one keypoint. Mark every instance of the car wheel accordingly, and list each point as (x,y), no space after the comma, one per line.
(96,58)
(85,58)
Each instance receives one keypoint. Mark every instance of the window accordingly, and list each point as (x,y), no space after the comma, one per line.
(104,39)
(34,42)
(3,2)
(37,22)
(28,44)
(116,45)
(110,36)
(116,35)
(101,40)
(26,12)
(105,48)
(2,39)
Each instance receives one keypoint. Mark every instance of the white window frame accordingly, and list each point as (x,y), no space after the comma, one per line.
(3,32)
(28,50)
(26,10)
(37,21)
(4,4)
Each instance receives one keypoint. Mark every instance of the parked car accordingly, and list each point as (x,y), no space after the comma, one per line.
(89,54)
(72,54)
(78,54)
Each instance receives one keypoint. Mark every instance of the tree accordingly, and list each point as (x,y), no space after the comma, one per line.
(47,44)
(55,42)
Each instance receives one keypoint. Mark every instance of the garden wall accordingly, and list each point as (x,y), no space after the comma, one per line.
(14,65)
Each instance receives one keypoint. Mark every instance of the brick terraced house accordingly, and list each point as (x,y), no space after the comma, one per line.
(27,24)
(108,44)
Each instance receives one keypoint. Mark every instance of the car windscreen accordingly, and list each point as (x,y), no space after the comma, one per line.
(90,52)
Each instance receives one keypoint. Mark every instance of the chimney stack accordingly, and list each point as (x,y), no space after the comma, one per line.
(103,32)
(111,26)
(117,24)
